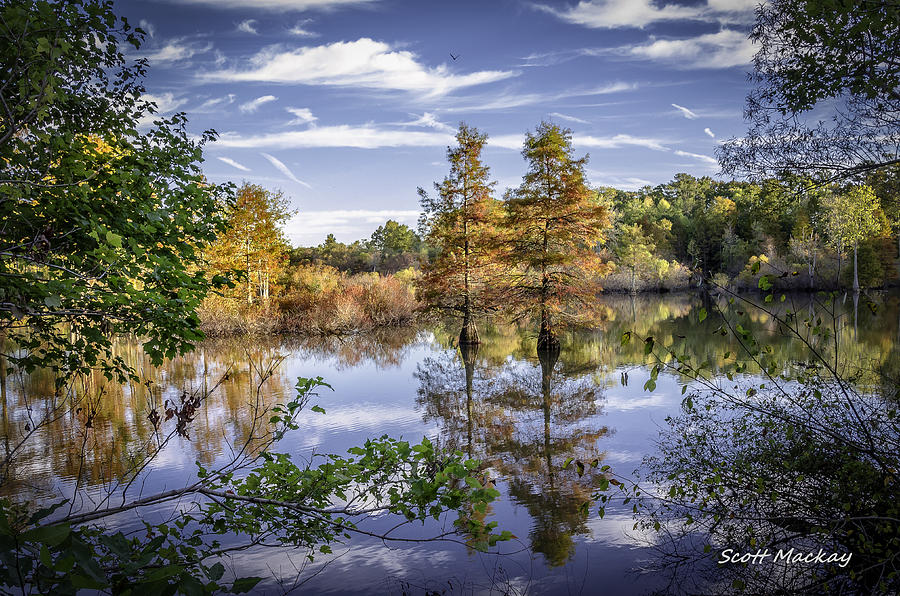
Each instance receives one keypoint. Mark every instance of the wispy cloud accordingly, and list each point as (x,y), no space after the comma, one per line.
(616,141)
(430,121)
(361,63)
(685,112)
(361,137)
(723,49)
(567,118)
(613,14)
(301,116)
(371,136)
(704,158)
(281,167)
(617,181)
(279,5)
(176,50)
(711,134)
(147,26)
(254,104)
(248,26)
(585,142)
(512,99)
(215,102)
(310,227)
(234,164)
(165,104)
(300,29)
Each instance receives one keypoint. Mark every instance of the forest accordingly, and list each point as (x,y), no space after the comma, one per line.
(807,236)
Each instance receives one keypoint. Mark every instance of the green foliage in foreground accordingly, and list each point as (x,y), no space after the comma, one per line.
(103,225)
(272,501)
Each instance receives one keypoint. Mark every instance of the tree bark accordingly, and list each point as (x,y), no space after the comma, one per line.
(855,268)
(468,335)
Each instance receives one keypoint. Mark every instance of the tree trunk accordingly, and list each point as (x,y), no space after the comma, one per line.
(548,360)
(249,277)
(547,341)
(812,272)
(855,267)
(837,281)
(468,335)
(469,352)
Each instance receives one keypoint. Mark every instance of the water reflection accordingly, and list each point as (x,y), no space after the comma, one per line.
(524,419)
(524,416)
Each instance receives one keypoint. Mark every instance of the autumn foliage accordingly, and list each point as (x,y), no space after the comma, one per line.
(553,224)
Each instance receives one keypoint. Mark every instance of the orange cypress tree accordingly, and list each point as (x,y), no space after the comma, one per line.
(553,224)
(459,223)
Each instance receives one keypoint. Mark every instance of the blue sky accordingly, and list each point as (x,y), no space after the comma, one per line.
(347,106)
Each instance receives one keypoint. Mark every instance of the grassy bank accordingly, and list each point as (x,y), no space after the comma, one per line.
(318,300)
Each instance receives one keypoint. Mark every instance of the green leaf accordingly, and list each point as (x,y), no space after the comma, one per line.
(216,572)
(49,535)
(244,584)
(702,314)
(114,239)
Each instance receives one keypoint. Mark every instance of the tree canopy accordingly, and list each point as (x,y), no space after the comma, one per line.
(838,56)
(554,223)
(102,225)
(459,222)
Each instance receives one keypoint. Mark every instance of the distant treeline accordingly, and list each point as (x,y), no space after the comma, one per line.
(660,233)
(546,248)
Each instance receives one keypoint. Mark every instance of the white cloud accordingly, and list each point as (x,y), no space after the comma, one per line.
(147,26)
(300,29)
(361,137)
(686,112)
(704,158)
(215,102)
(612,14)
(370,136)
(429,120)
(616,141)
(281,167)
(279,5)
(723,49)
(711,134)
(309,228)
(620,182)
(234,164)
(254,104)
(301,116)
(165,102)
(361,63)
(248,26)
(567,118)
(176,50)
(583,142)
(511,99)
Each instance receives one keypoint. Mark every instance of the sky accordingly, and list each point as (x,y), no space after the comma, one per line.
(348,106)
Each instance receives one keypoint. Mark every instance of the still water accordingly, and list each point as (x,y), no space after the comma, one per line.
(521,416)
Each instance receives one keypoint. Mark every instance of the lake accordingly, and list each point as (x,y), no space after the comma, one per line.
(523,417)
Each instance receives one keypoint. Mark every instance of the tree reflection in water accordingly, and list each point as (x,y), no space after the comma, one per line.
(524,419)
(790,462)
